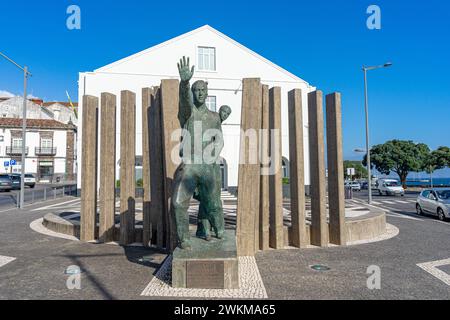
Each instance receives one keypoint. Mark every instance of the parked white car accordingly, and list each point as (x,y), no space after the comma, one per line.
(434,201)
(29,180)
(389,187)
(356,186)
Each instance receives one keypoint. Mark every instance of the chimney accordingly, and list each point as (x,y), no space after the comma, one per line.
(37,101)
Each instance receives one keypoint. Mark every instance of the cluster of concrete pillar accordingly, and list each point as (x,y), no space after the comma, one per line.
(159,120)
(260,219)
(105,232)
(261,223)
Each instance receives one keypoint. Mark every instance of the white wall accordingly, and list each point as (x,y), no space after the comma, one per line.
(13,108)
(63,114)
(32,142)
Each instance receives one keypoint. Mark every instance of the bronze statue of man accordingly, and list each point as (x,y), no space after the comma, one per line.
(206,222)
(201,144)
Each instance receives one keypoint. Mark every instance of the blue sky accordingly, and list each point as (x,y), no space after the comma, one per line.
(323,42)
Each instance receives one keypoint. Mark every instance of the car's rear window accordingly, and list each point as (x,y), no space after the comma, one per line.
(29,176)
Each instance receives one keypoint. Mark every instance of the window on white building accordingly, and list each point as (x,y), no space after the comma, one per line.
(206,59)
(46,143)
(17,142)
(211,103)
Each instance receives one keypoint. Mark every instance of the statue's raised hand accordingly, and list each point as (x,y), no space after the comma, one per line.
(183,68)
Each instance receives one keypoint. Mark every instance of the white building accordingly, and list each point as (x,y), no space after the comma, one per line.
(219,60)
(50,148)
(12,108)
(62,112)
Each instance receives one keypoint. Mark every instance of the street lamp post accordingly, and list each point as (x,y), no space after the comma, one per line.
(26,73)
(366,107)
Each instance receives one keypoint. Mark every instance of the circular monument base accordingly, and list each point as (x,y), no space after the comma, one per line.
(367,227)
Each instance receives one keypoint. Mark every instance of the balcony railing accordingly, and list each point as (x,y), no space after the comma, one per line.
(15,150)
(45,151)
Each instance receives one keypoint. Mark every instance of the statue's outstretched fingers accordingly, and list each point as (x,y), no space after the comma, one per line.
(184,61)
(192,70)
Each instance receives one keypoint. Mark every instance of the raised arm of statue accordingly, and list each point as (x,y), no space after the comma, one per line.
(186,100)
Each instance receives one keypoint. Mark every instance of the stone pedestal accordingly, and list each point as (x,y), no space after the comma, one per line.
(208,265)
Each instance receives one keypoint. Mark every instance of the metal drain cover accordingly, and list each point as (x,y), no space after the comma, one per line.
(320,267)
(73,270)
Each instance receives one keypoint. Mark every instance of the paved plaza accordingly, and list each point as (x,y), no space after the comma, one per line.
(414,264)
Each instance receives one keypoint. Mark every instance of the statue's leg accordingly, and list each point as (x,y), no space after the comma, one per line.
(201,233)
(212,187)
(183,188)
(203,224)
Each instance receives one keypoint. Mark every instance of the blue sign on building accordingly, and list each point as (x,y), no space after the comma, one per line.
(13,162)
(6,163)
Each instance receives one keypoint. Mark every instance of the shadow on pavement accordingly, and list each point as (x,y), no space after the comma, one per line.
(147,257)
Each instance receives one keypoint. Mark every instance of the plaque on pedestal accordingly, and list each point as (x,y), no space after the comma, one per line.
(208,264)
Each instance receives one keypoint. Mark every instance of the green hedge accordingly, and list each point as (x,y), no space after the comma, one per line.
(139,183)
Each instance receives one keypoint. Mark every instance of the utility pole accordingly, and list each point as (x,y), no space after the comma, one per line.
(26,73)
(366,107)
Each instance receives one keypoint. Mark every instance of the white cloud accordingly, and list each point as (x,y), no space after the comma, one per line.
(30,96)
(6,94)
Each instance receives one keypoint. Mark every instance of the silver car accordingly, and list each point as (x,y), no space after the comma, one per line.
(356,186)
(434,201)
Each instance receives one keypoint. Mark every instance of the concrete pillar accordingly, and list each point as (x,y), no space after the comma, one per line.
(146,211)
(157,205)
(89,169)
(107,166)
(127,166)
(319,227)
(70,154)
(264,209)
(297,169)
(249,168)
(336,194)
(171,160)
(276,182)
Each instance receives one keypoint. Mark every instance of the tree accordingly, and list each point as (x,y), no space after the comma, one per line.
(360,171)
(399,156)
(440,158)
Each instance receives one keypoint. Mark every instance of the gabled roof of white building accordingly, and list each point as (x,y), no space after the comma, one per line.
(193,32)
(13,108)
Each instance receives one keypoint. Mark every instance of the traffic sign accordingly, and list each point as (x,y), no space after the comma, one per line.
(6,163)
(13,162)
